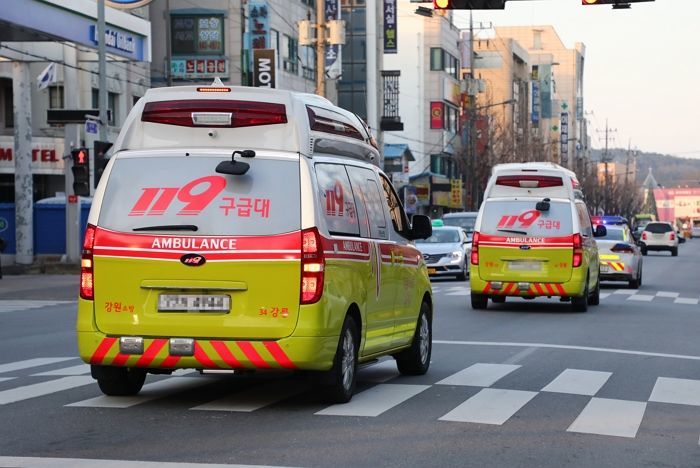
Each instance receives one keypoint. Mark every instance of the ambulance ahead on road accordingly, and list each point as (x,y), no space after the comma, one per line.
(248,228)
(534,238)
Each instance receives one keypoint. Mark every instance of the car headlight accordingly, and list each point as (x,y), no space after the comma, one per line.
(456,255)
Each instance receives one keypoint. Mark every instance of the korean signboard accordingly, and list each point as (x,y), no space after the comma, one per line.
(192,67)
(197,35)
(437,112)
(390,27)
(564,137)
(334,63)
(259,24)
(535,108)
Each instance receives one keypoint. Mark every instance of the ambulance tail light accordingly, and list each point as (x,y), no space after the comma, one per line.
(87,276)
(529,181)
(578,251)
(313,265)
(474,259)
(214,113)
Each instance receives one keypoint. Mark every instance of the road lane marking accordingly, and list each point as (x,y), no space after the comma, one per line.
(578,382)
(29,363)
(254,398)
(80,369)
(667,294)
(627,292)
(37,462)
(677,391)
(4,379)
(462,292)
(605,295)
(577,348)
(375,401)
(641,298)
(7,306)
(686,300)
(479,375)
(44,388)
(604,416)
(149,392)
(490,406)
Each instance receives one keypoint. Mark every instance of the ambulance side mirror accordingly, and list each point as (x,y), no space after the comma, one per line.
(421,228)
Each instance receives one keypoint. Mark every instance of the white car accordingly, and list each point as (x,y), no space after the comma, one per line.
(657,236)
(446,252)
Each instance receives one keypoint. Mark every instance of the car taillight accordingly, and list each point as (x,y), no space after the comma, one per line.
(87,276)
(529,181)
(578,251)
(644,235)
(672,236)
(622,248)
(313,265)
(474,259)
(214,113)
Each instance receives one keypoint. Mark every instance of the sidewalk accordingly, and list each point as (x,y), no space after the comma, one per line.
(48,287)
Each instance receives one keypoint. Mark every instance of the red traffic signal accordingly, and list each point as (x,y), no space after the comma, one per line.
(80,157)
(469,4)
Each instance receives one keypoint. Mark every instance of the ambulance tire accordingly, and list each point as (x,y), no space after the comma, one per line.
(594,298)
(416,359)
(479,301)
(119,381)
(580,304)
(338,384)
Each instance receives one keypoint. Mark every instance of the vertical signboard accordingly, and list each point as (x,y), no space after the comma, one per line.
(390,27)
(259,24)
(264,68)
(564,137)
(437,112)
(535,113)
(545,74)
(334,62)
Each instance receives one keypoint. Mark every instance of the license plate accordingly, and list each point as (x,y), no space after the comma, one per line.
(525,266)
(604,268)
(194,303)
(432,271)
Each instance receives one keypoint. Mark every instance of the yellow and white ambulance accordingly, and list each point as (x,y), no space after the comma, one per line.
(534,238)
(248,228)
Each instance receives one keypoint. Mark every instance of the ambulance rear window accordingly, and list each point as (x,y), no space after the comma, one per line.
(181,192)
(519,217)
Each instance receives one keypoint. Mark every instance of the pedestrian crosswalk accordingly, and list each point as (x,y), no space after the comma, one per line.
(633,295)
(12,305)
(478,394)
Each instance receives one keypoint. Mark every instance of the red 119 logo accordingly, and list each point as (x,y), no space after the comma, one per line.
(196,195)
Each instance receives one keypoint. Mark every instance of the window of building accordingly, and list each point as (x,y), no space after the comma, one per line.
(56,98)
(290,51)
(308,62)
(440,60)
(197,34)
(112,100)
(436,59)
(451,118)
(352,86)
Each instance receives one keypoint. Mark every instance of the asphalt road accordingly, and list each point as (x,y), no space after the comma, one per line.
(519,384)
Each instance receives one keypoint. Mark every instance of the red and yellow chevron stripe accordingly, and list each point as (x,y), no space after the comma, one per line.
(536,289)
(616,266)
(208,354)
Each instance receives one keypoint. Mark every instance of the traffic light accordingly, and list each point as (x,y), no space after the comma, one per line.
(469,4)
(81,171)
(101,148)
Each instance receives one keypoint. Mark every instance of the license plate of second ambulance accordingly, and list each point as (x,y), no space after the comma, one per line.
(194,303)
(525,266)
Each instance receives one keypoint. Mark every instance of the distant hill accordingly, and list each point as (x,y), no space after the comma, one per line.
(669,171)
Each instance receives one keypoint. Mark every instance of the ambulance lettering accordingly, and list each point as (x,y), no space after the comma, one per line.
(191,243)
(525,240)
(352,246)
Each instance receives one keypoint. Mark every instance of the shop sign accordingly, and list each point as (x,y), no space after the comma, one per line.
(437,112)
(47,156)
(193,68)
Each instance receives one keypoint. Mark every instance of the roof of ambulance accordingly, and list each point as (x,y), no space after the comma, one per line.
(236,92)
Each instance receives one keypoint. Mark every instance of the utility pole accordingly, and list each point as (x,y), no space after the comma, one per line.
(606,160)
(102,69)
(320,48)
(471,165)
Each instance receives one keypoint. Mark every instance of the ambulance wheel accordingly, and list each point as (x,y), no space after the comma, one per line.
(119,381)
(479,301)
(580,303)
(416,359)
(338,384)
(594,298)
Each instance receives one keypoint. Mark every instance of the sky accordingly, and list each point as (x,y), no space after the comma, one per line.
(642,66)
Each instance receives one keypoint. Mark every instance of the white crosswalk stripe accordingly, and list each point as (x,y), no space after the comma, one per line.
(686,300)
(641,298)
(80,369)
(490,406)
(610,417)
(578,382)
(254,398)
(479,375)
(375,401)
(11,305)
(678,391)
(29,363)
(667,294)
(42,389)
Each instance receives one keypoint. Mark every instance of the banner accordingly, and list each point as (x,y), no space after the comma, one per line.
(564,137)
(535,112)
(334,61)
(390,27)
(259,24)
(437,111)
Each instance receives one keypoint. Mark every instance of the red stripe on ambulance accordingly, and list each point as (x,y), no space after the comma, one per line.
(102,350)
(279,354)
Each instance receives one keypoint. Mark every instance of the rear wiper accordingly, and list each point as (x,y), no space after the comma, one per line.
(513,231)
(168,227)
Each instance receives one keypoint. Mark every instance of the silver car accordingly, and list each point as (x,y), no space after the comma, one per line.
(620,257)
(446,252)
